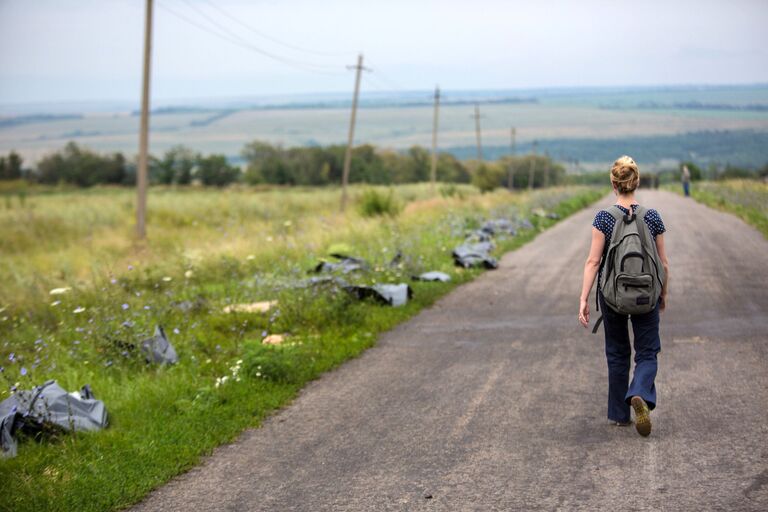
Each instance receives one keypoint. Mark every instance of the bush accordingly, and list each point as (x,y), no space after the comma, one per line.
(546,172)
(487,177)
(215,170)
(81,167)
(374,203)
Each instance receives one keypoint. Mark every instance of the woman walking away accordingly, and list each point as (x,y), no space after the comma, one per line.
(628,257)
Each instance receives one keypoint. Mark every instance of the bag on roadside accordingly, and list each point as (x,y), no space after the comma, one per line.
(632,272)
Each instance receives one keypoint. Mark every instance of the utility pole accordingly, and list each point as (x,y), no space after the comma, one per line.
(141,173)
(511,172)
(533,166)
(348,155)
(477,132)
(433,171)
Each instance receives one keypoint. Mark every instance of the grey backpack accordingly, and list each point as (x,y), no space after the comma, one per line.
(632,273)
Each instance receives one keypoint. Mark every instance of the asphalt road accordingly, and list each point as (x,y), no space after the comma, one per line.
(495,398)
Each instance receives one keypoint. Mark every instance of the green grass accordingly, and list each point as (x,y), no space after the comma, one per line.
(747,199)
(163,419)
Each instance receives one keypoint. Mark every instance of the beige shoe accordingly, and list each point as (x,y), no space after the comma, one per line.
(642,416)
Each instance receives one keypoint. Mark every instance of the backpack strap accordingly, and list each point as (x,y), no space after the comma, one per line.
(618,216)
(642,227)
(597,324)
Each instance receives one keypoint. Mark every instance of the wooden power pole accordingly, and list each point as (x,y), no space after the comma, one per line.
(348,155)
(511,172)
(477,132)
(141,173)
(433,170)
(532,173)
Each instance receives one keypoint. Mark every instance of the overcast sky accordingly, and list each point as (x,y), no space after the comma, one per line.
(76,50)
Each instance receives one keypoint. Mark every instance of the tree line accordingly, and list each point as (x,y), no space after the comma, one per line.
(266,163)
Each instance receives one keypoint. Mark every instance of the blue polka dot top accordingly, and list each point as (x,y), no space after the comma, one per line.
(604,223)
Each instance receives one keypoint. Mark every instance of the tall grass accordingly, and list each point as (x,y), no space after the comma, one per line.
(748,199)
(73,237)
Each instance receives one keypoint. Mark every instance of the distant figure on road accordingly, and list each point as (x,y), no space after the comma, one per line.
(641,393)
(686,178)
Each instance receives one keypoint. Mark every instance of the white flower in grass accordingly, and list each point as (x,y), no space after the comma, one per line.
(55,303)
(250,257)
(167,279)
(78,310)
(221,381)
(188,274)
(60,291)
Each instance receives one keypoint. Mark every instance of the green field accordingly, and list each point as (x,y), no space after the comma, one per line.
(207,249)
(599,114)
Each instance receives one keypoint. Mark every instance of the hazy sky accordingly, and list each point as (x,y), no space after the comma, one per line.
(60,50)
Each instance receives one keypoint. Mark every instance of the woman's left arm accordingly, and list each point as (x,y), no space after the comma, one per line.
(591,267)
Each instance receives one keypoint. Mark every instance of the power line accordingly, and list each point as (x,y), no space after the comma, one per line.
(243,41)
(244,44)
(388,81)
(274,39)
(376,84)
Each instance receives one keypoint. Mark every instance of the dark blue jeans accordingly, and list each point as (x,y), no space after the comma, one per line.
(687,188)
(618,352)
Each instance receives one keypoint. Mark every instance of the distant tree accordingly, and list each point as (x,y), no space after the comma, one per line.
(176,166)
(419,162)
(451,170)
(10,167)
(214,170)
(487,177)
(542,165)
(81,167)
(264,163)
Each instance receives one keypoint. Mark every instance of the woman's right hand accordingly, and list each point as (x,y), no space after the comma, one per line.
(584,312)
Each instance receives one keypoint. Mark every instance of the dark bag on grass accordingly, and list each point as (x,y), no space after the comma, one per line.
(632,273)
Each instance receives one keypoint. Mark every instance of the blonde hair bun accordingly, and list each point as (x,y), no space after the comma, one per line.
(625,175)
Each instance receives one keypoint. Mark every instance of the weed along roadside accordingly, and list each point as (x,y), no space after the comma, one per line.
(747,199)
(248,331)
